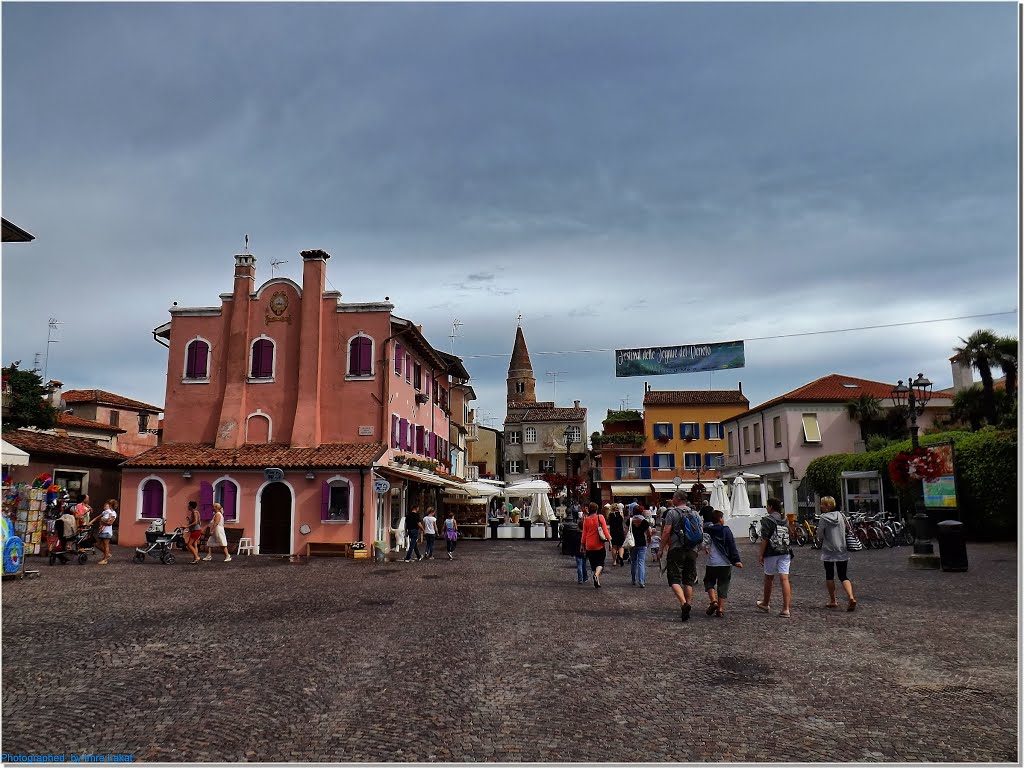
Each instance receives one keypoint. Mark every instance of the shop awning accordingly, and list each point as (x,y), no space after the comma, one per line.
(412,475)
(669,488)
(12,455)
(630,489)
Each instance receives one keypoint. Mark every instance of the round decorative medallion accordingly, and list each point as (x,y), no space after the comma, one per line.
(279,303)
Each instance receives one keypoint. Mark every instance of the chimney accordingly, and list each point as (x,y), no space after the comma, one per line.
(55,386)
(741,387)
(231,427)
(306,428)
(575,404)
(963,376)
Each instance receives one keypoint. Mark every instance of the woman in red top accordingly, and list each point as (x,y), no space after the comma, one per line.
(593,543)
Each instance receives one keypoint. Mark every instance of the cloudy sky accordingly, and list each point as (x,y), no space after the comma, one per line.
(622,175)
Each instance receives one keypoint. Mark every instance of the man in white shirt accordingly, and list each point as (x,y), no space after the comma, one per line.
(430,531)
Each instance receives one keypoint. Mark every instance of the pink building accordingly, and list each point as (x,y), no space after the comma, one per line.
(132,424)
(310,420)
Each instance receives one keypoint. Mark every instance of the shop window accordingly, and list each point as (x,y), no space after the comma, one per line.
(530,435)
(689,430)
(335,501)
(197,360)
(262,364)
(151,498)
(225,493)
(664,461)
(812,434)
(777,430)
(360,356)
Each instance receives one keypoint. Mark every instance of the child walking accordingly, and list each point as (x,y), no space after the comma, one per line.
(722,556)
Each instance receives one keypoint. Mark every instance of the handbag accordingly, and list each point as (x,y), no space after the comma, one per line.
(600,531)
(630,540)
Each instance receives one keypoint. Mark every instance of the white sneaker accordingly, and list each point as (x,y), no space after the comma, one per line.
(227,558)
(451,557)
(208,558)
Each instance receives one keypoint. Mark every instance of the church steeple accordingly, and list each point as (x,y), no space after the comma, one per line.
(521,383)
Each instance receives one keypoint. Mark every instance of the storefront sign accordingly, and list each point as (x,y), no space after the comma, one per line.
(273,474)
(381,486)
(684,359)
(941,491)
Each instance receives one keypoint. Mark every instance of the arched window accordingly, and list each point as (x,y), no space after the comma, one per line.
(197,359)
(262,359)
(336,500)
(225,492)
(520,387)
(258,428)
(530,435)
(151,498)
(360,356)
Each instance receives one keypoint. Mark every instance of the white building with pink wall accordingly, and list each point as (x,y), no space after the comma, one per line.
(291,408)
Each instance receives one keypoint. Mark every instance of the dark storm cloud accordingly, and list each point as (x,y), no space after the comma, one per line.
(743,169)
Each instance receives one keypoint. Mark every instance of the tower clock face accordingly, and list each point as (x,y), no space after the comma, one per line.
(279,303)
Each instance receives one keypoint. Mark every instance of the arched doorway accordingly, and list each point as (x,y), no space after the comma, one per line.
(275,520)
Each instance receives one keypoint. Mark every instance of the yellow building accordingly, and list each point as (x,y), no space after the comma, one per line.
(683,438)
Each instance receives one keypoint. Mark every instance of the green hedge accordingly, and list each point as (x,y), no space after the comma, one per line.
(986,477)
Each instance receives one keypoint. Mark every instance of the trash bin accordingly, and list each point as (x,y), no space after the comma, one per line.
(554,529)
(495,523)
(527,527)
(570,539)
(952,547)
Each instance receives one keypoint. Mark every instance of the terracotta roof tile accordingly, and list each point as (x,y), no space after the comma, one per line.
(833,388)
(554,415)
(259,455)
(81,449)
(107,399)
(692,397)
(520,355)
(70,420)
(531,404)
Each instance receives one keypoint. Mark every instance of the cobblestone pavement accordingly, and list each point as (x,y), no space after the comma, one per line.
(501,656)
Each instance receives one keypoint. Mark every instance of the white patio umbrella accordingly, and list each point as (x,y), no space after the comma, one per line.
(719,497)
(740,500)
(527,488)
(483,489)
(540,508)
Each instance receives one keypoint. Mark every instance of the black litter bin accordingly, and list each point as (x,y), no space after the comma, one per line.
(495,523)
(952,547)
(570,539)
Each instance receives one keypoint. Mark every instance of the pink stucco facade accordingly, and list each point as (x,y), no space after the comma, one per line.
(291,368)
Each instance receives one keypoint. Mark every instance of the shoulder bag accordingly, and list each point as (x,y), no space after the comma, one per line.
(630,540)
(600,530)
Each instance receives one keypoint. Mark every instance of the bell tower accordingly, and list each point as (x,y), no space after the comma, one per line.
(522,386)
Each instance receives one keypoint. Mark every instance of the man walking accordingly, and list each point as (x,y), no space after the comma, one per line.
(413,527)
(641,529)
(681,535)
(775,555)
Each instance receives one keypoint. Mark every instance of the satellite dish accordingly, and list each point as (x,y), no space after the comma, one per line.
(304,529)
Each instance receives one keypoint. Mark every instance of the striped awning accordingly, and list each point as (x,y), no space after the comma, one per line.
(631,489)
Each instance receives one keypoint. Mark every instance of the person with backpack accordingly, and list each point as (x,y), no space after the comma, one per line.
(833,528)
(722,556)
(681,536)
(775,555)
(595,539)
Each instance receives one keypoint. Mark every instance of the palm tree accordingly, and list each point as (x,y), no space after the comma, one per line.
(864,409)
(969,406)
(1006,359)
(980,352)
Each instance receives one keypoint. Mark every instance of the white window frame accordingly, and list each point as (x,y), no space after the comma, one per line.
(515,466)
(631,463)
(138,498)
(351,497)
(270,425)
(718,428)
(349,376)
(695,426)
(668,431)
(273,365)
(513,438)
(238,496)
(687,455)
(547,465)
(185,379)
(816,427)
(669,465)
(575,433)
(530,435)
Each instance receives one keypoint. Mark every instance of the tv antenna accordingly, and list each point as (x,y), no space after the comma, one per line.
(625,403)
(275,264)
(247,243)
(456,323)
(53,326)
(35,362)
(554,383)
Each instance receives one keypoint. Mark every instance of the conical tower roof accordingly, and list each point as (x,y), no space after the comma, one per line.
(520,355)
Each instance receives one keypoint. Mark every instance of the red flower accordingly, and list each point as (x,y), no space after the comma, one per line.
(916,464)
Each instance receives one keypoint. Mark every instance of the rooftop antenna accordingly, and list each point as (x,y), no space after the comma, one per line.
(456,323)
(275,264)
(554,383)
(35,363)
(53,325)
(625,403)
(247,243)
(519,320)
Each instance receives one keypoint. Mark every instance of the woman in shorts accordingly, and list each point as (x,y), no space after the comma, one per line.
(106,532)
(592,541)
(195,531)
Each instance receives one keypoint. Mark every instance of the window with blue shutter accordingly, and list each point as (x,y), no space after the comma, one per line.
(645,468)
(689,430)
(618,468)
(662,431)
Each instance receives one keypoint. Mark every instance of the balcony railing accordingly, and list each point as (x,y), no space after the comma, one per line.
(472,432)
(633,474)
(731,460)
(472,473)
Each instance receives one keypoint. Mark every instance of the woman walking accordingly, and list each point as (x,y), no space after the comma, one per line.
(595,537)
(217,537)
(832,530)
(106,532)
(195,531)
(616,524)
(451,534)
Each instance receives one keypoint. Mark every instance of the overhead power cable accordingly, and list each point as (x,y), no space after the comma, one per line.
(763,338)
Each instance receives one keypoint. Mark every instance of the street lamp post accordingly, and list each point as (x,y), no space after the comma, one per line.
(568,435)
(915,396)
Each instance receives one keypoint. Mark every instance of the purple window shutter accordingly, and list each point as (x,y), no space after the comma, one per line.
(398,358)
(205,501)
(325,500)
(430,445)
(268,358)
(401,434)
(257,365)
(419,440)
(228,501)
(394,431)
(262,359)
(152,500)
(408,366)
(428,386)
(353,357)
(196,365)
(365,365)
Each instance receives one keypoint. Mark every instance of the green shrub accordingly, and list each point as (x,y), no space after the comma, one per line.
(986,470)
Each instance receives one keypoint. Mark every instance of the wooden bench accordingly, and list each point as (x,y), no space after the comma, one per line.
(343,549)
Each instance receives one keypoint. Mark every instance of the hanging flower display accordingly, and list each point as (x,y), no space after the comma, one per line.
(918,464)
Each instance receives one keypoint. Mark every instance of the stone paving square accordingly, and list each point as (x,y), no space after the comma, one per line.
(499,656)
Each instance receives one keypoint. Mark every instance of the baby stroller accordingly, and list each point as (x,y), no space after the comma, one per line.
(159,544)
(64,543)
